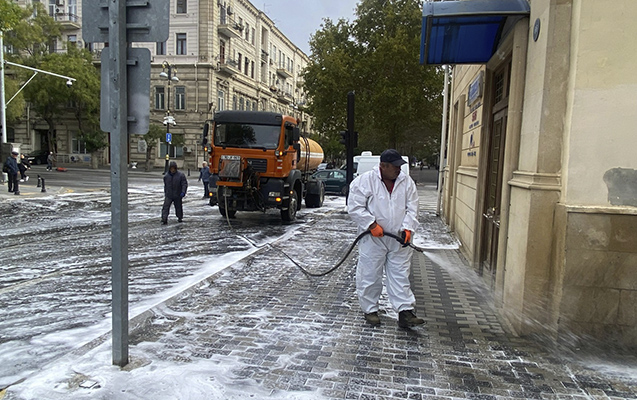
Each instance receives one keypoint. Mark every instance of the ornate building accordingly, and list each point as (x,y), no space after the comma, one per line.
(227,55)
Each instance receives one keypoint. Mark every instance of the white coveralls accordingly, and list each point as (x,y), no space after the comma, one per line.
(369,201)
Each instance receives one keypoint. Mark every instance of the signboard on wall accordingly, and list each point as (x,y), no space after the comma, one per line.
(476,89)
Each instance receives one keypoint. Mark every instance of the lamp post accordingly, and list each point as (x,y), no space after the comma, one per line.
(167,73)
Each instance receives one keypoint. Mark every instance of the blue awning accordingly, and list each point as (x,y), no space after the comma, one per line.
(466,32)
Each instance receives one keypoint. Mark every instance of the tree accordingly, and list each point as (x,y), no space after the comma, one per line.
(398,101)
(52,99)
(31,36)
(12,16)
(157,134)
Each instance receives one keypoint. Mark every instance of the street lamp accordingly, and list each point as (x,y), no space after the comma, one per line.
(167,73)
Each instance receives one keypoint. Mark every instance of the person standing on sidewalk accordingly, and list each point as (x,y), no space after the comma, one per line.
(12,172)
(384,199)
(204,176)
(175,187)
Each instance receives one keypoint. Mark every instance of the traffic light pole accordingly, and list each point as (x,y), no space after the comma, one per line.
(350,138)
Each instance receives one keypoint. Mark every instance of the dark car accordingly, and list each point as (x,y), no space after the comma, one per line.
(335,180)
(37,157)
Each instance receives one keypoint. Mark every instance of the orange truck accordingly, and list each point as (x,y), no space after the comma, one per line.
(262,162)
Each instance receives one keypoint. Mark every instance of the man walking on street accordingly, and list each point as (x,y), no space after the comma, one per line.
(175,187)
(385,200)
(12,165)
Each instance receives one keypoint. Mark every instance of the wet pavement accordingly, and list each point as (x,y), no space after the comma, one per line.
(261,329)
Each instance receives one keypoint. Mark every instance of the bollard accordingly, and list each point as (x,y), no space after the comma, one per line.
(43,186)
(39,180)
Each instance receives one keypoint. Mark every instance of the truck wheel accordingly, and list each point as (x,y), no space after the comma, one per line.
(231,213)
(292,204)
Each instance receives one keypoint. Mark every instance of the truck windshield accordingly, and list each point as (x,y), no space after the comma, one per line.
(247,136)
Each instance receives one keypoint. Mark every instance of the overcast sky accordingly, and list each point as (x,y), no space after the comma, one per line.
(298,19)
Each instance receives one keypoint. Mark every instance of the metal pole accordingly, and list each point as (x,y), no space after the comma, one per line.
(349,146)
(443,139)
(3,121)
(167,123)
(118,103)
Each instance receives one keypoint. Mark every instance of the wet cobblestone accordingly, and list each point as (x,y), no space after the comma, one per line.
(292,333)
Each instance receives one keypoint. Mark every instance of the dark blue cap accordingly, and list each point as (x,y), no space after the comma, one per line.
(393,157)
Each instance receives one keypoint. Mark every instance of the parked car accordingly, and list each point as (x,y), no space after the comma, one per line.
(335,180)
(37,157)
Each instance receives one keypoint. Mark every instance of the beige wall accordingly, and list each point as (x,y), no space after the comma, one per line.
(570,249)
(464,143)
(601,119)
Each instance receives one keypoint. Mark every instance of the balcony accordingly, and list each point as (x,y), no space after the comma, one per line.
(68,21)
(284,97)
(264,56)
(230,30)
(229,67)
(283,72)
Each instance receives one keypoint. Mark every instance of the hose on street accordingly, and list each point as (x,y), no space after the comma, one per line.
(349,250)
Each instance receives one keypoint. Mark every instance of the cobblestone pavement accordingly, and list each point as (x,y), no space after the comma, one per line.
(283,331)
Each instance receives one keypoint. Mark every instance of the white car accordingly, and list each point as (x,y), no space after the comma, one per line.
(321,166)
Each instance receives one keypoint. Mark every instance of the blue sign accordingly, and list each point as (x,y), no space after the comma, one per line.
(169,137)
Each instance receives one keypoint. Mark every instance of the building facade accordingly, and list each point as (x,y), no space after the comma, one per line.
(540,177)
(227,55)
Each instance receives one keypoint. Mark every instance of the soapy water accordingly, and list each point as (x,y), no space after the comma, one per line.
(587,353)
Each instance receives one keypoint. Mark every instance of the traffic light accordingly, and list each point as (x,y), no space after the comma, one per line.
(344,138)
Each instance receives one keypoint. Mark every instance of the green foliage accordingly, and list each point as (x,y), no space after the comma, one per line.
(31,35)
(51,98)
(15,109)
(398,101)
(11,14)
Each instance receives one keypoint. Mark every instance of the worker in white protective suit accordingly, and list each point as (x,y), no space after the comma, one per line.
(384,199)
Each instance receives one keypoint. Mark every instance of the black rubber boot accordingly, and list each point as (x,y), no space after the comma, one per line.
(407,319)
(372,319)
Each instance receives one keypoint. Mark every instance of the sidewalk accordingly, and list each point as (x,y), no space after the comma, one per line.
(261,329)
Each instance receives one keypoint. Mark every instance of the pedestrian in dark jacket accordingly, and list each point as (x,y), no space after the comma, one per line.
(12,165)
(23,166)
(204,176)
(175,187)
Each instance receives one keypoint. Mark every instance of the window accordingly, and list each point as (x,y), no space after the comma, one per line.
(247,66)
(78,145)
(221,100)
(181,7)
(252,41)
(241,107)
(160,95)
(160,48)
(182,50)
(252,69)
(235,103)
(239,62)
(175,151)
(72,39)
(180,97)
(247,32)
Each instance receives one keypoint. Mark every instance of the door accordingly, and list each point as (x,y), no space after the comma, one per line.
(494,178)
